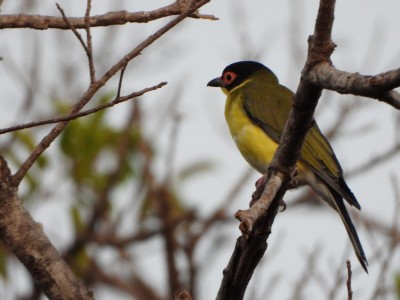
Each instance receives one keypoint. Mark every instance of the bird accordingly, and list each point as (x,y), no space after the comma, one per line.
(256,110)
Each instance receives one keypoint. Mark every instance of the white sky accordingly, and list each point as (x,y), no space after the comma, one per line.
(275,33)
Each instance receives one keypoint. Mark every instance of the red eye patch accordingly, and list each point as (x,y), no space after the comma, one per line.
(228,77)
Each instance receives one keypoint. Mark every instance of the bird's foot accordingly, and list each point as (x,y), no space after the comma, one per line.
(260,184)
(282,204)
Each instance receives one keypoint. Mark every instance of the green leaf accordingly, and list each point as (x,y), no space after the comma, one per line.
(92,146)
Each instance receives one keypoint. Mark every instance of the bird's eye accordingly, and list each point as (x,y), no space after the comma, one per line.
(229,77)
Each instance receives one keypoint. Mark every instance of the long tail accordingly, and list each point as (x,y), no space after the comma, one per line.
(351,230)
(335,200)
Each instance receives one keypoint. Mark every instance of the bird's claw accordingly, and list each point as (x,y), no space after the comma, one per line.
(260,183)
(283,204)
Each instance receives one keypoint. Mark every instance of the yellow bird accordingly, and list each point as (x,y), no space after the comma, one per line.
(256,110)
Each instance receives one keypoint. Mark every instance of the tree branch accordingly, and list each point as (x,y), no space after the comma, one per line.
(83,113)
(92,71)
(94,87)
(72,27)
(111,18)
(301,117)
(26,239)
(260,216)
(247,254)
(377,87)
(348,281)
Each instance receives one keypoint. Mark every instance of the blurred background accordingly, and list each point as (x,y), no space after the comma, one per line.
(140,198)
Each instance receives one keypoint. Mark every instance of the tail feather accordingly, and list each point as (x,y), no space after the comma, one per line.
(335,200)
(351,230)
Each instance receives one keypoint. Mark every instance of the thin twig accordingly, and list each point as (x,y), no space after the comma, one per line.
(348,281)
(121,77)
(94,87)
(92,70)
(88,46)
(338,278)
(83,113)
(89,53)
(72,27)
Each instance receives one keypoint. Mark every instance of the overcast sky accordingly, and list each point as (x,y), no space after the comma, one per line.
(275,33)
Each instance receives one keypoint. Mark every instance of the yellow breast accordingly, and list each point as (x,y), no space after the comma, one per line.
(253,143)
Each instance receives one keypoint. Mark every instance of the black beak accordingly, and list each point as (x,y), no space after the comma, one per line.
(216,82)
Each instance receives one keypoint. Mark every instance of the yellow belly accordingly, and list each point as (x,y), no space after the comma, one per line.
(253,143)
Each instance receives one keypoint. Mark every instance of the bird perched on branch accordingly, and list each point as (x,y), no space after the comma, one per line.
(256,110)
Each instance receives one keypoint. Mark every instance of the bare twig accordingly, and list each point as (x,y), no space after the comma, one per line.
(338,276)
(83,113)
(121,77)
(94,87)
(88,46)
(72,27)
(111,18)
(92,71)
(348,281)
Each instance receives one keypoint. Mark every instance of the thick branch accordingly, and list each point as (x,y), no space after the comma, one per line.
(378,86)
(324,22)
(260,217)
(26,239)
(247,254)
(301,117)
(111,18)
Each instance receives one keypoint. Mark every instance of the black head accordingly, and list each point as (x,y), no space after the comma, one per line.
(236,73)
